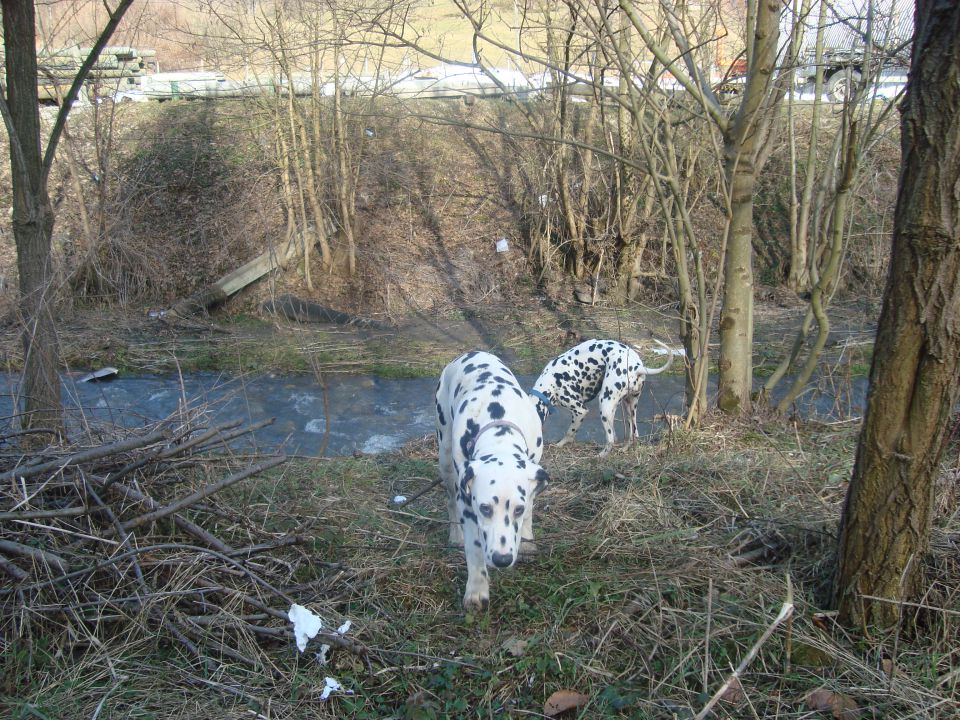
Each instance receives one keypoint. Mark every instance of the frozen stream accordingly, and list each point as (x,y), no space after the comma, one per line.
(359,414)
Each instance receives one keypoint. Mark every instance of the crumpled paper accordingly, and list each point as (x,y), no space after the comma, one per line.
(306,625)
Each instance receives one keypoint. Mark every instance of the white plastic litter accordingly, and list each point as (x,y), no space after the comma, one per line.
(503,245)
(398,499)
(331,686)
(676,352)
(306,625)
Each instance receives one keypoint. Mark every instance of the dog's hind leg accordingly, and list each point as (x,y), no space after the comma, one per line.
(577,413)
(630,414)
(608,413)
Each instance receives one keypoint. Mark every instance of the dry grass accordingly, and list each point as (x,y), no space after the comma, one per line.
(659,569)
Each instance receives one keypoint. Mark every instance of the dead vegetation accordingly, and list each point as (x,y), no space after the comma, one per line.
(661,570)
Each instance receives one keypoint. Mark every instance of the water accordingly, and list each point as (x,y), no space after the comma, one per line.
(353,414)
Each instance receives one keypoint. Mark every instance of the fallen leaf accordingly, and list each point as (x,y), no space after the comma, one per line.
(563,700)
(515,646)
(734,693)
(888,667)
(838,705)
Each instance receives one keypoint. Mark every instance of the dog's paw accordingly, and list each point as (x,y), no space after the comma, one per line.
(476,601)
(562,442)
(528,550)
(606,450)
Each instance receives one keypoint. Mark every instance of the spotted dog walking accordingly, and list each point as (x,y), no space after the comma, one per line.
(490,441)
(608,368)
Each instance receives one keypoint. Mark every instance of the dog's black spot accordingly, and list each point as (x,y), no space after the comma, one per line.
(469,368)
(457,389)
(516,527)
(496,410)
(516,391)
(523,493)
(440,417)
(539,441)
(463,405)
(503,538)
(507,505)
(496,500)
(469,435)
(497,390)
(484,376)
(477,543)
(484,535)
(506,521)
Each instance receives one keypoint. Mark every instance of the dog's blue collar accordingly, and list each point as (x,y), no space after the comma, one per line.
(551,408)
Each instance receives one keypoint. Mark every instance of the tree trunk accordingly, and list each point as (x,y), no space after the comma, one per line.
(742,141)
(914,377)
(32,223)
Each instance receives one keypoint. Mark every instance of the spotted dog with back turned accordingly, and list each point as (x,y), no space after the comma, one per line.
(490,441)
(609,369)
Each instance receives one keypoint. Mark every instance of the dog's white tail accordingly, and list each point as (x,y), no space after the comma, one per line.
(657,371)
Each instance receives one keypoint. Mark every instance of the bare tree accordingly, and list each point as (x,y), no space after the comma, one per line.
(33,215)
(915,375)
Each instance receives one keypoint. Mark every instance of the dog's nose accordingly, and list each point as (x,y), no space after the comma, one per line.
(503,560)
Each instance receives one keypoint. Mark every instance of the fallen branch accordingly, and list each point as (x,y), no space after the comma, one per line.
(785,612)
(97,453)
(200,494)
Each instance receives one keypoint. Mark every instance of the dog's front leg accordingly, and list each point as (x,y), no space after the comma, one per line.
(449,478)
(528,548)
(477,594)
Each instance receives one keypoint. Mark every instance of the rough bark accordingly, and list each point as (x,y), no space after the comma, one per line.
(32,222)
(914,379)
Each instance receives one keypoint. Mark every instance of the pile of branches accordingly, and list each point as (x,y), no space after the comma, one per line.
(108,541)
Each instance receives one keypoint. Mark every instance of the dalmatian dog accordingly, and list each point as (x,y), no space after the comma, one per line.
(490,440)
(608,368)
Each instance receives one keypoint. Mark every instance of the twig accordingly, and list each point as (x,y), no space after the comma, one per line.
(45,514)
(12,570)
(262,547)
(785,612)
(420,494)
(96,453)
(42,556)
(181,522)
(227,437)
(148,549)
(203,492)
(161,453)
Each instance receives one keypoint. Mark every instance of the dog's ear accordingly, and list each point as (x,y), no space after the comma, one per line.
(540,480)
(466,482)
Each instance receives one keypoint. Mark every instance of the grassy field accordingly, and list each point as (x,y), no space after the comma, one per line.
(659,569)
